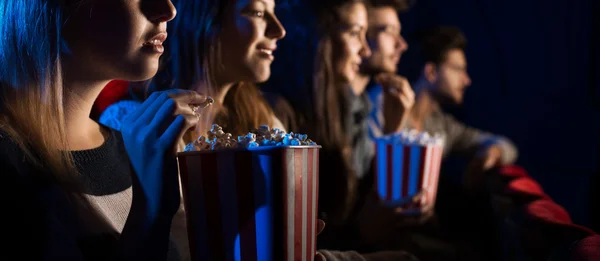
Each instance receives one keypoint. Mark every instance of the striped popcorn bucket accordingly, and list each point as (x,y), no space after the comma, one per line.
(256,204)
(407,175)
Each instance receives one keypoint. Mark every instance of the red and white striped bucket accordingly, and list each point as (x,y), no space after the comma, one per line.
(407,171)
(256,204)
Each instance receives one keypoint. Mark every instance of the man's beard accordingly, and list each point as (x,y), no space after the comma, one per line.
(445,99)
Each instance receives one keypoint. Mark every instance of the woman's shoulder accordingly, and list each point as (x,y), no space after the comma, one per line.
(278,124)
(12,157)
(284,112)
(17,169)
(35,209)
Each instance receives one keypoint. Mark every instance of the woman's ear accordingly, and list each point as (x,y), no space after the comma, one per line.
(430,72)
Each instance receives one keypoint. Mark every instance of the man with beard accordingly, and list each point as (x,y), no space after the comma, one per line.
(443,81)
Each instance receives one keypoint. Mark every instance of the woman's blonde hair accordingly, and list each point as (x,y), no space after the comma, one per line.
(31,92)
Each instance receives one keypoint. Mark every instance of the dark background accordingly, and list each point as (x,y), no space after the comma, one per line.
(535,71)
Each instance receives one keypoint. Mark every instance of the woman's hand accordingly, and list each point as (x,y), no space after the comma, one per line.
(151,135)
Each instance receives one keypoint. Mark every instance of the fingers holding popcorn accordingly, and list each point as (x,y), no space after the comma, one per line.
(398,100)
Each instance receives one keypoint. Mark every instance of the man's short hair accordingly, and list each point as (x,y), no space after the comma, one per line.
(429,45)
(437,42)
(398,5)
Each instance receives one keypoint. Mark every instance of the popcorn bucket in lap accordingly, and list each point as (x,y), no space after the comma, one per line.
(407,170)
(251,202)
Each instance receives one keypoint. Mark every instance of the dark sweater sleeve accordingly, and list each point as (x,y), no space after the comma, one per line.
(31,232)
(466,141)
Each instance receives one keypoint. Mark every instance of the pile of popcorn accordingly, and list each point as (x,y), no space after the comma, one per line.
(415,138)
(264,136)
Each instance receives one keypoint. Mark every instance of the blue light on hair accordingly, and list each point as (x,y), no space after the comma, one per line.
(30,40)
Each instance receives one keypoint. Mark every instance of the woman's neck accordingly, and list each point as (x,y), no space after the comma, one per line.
(221,91)
(359,84)
(82,132)
(222,84)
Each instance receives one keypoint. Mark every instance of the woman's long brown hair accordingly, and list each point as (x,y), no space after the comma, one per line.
(318,97)
(330,112)
(327,128)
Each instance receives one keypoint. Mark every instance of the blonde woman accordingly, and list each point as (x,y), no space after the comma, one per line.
(73,189)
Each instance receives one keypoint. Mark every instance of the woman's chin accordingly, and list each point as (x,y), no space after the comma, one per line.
(348,77)
(142,73)
(262,76)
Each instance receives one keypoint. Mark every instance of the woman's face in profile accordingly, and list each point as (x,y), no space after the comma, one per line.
(350,45)
(117,39)
(249,38)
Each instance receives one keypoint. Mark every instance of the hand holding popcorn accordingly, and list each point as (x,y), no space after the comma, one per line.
(398,100)
(407,170)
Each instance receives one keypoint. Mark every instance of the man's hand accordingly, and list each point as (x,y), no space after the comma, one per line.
(483,161)
(380,223)
(415,217)
(320,227)
(390,256)
(398,100)
(492,157)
